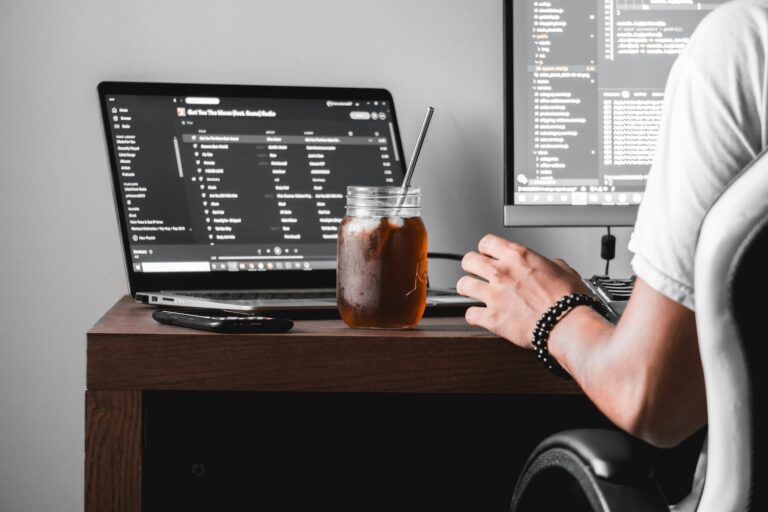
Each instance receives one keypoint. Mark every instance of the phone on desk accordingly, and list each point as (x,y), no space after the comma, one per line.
(222,321)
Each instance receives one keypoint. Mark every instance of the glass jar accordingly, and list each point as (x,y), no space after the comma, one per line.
(381,278)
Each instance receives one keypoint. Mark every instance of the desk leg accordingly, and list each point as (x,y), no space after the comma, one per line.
(113,451)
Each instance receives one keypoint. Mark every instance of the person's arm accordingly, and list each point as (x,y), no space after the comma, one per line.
(644,374)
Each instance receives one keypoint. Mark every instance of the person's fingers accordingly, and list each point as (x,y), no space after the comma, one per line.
(503,249)
(479,265)
(473,288)
(475,315)
(496,247)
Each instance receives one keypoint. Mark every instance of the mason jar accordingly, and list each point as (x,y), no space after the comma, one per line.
(381,278)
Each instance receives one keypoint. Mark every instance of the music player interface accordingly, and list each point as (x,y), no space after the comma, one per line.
(239,184)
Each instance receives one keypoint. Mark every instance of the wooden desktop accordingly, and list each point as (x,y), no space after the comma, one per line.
(129,354)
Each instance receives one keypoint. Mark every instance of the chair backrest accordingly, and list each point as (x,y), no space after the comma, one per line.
(731,268)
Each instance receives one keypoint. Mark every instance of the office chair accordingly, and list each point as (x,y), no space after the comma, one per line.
(603,470)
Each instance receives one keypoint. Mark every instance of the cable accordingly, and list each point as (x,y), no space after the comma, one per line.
(603,251)
(608,249)
(445,256)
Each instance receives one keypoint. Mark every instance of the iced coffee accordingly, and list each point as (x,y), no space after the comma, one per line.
(382,259)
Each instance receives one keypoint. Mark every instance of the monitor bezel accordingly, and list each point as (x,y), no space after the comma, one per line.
(246,280)
(543,215)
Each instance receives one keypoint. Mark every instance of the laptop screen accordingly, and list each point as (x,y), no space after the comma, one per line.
(229,179)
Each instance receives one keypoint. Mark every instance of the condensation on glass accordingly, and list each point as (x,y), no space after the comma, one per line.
(382,259)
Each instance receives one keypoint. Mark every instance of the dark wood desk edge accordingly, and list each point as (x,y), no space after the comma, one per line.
(129,350)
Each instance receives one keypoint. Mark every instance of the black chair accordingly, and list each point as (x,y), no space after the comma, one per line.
(602,470)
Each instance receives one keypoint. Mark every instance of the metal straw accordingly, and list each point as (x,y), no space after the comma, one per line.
(415,157)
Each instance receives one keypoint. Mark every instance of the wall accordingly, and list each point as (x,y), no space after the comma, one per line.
(60,259)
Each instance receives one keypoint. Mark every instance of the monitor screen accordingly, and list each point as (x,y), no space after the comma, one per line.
(584,90)
(220,180)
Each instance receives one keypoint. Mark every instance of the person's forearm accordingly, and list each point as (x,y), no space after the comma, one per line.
(581,342)
(626,380)
(644,374)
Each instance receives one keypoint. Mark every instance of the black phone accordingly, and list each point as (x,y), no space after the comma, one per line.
(222,321)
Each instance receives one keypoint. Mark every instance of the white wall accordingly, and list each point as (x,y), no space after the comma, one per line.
(60,260)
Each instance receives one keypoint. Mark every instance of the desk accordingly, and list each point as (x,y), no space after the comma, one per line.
(129,353)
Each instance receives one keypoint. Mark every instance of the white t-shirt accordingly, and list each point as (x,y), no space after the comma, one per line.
(714,123)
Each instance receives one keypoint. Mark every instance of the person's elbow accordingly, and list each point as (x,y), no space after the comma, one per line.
(654,429)
(661,418)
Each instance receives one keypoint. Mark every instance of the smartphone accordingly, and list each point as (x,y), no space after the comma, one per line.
(222,321)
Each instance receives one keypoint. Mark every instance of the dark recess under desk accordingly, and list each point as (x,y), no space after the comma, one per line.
(343,451)
(357,451)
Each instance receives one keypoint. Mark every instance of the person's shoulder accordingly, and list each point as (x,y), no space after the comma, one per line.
(738,13)
(732,25)
(731,40)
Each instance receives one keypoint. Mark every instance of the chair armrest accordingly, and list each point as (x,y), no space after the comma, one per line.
(611,455)
(598,470)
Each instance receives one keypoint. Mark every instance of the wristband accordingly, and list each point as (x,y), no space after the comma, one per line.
(551,317)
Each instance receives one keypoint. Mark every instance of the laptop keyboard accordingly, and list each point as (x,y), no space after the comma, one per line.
(327,294)
(287,295)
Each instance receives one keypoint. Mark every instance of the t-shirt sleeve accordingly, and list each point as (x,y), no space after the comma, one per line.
(713,124)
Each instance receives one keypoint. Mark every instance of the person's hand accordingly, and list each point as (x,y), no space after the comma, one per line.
(519,286)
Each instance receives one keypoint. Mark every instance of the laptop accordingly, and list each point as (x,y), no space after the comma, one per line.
(229,197)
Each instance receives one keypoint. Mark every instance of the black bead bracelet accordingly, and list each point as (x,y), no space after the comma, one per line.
(551,317)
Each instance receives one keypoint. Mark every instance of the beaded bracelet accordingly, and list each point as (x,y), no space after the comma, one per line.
(551,317)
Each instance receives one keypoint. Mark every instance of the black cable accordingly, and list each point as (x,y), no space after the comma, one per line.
(608,249)
(445,256)
(607,262)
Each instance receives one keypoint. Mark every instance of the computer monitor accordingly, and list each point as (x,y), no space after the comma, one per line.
(584,89)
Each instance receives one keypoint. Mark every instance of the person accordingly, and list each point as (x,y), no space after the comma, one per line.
(644,373)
